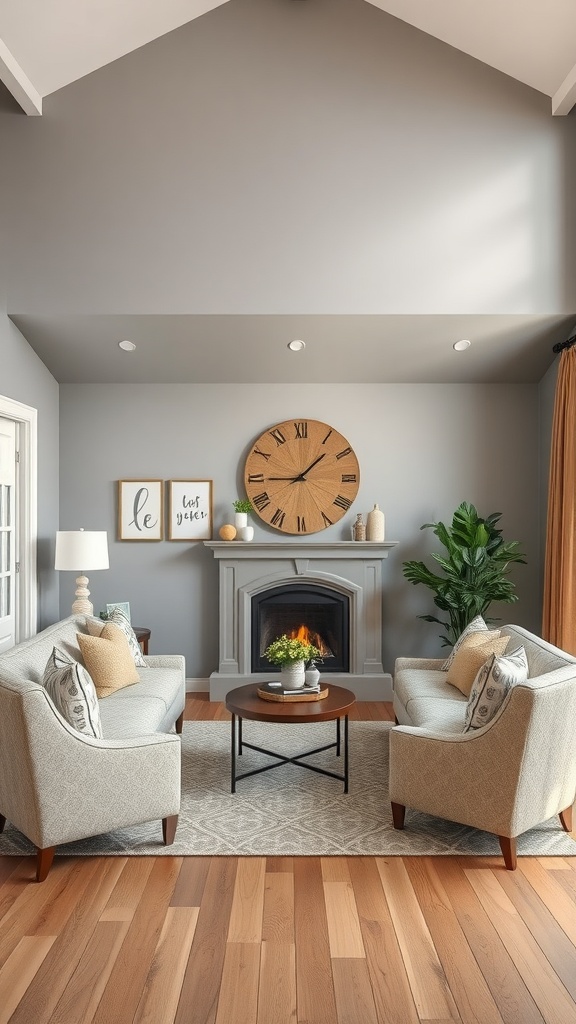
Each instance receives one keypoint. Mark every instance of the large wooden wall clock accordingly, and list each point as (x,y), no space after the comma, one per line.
(301,476)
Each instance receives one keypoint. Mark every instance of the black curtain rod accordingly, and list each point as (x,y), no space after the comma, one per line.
(564,344)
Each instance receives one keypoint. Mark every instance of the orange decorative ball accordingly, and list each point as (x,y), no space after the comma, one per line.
(227,532)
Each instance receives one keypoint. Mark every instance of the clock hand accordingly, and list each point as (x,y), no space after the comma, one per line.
(291,478)
(302,475)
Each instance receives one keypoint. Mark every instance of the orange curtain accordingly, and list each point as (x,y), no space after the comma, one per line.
(559,611)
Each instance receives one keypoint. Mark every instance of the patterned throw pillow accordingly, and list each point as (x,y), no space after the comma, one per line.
(472,654)
(476,626)
(494,680)
(72,691)
(119,619)
(108,659)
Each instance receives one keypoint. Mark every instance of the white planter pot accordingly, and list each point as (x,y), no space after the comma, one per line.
(292,675)
(240,520)
(245,532)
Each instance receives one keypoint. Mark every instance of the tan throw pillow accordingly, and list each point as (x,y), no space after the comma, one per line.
(474,651)
(476,626)
(109,660)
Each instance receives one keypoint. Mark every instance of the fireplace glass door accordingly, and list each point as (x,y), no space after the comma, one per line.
(305,610)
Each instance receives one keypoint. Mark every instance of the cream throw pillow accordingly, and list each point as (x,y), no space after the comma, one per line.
(470,657)
(73,693)
(491,685)
(108,659)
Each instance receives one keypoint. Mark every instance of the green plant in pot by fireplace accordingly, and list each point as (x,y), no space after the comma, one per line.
(475,568)
(286,649)
(290,654)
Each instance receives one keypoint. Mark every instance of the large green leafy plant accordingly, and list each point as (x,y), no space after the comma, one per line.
(475,569)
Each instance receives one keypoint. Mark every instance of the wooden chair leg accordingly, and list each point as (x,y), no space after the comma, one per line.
(2,822)
(566,818)
(508,847)
(398,812)
(169,826)
(44,860)
(180,723)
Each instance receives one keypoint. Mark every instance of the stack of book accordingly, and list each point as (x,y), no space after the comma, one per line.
(277,688)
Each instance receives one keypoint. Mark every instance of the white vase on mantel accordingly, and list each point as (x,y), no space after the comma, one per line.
(245,533)
(292,675)
(240,520)
(375,525)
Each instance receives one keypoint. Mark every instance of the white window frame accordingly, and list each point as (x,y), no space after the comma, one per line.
(26,419)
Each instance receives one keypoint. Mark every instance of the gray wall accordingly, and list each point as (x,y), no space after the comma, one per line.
(273,156)
(25,379)
(422,449)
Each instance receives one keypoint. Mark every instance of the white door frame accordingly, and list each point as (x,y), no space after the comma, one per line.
(26,419)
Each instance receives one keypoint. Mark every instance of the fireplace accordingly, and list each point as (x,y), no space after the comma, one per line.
(310,611)
(333,588)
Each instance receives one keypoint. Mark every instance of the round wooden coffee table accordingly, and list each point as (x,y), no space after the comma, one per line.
(244,702)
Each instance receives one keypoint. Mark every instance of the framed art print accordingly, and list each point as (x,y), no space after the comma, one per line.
(189,510)
(140,510)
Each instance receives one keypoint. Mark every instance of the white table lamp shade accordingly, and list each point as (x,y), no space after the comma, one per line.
(80,551)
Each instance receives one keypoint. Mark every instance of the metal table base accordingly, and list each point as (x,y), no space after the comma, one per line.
(238,743)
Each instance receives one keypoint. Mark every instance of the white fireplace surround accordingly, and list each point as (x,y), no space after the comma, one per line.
(347,567)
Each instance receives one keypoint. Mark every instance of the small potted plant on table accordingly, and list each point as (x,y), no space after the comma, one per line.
(291,654)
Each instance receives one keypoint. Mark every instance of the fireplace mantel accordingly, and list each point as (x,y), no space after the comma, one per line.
(353,568)
(300,549)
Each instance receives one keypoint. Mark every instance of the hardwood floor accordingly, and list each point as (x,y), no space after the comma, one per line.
(336,940)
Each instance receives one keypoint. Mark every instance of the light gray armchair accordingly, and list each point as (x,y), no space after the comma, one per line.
(57,785)
(514,773)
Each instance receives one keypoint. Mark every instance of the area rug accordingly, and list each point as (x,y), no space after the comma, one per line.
(291,811)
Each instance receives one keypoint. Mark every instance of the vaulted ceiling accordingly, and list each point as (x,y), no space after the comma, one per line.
(380,178)
(46,46)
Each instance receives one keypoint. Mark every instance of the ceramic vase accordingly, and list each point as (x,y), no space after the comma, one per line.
(375,525)
(240,520)
(312,675)
(245,533)
(292,675)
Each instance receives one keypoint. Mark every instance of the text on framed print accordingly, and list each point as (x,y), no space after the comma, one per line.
(190,510)
(140,509)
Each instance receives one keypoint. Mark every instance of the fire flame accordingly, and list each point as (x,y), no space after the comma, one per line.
(308,636)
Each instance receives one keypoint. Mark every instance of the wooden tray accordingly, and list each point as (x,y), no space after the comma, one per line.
(292,698)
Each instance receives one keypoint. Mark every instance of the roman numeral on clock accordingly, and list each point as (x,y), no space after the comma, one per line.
(261,500)
(327,436)
(278,517)
(327,522)
(265,455)
(258,478)
(301,429)
(278,436)
(301,524)
(342,502)
(345,451)
(348,478)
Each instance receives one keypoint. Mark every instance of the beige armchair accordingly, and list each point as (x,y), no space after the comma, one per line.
(57,785)
(514,773)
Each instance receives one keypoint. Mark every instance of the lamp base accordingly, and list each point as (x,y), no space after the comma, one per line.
(82,606)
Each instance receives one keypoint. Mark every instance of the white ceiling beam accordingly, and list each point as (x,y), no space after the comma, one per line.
(565,97)
(18,84)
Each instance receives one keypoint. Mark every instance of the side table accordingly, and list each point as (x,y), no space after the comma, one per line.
(142,636)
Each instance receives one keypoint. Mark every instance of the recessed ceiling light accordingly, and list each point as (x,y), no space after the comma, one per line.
(461,346)
(126,346)
(296,346)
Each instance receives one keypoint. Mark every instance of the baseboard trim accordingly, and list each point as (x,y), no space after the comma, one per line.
(197,686)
